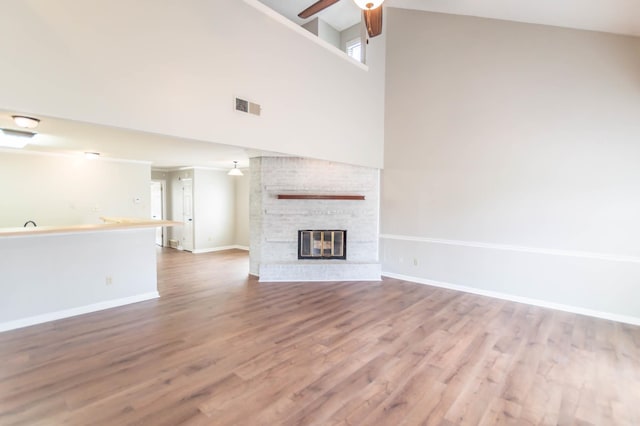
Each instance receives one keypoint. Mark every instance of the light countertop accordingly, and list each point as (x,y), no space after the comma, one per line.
(110,223)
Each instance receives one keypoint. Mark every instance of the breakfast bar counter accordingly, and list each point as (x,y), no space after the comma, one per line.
(109,224)
(53,272)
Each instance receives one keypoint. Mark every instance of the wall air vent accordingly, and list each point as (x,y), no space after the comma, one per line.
(254,108)
(243,105)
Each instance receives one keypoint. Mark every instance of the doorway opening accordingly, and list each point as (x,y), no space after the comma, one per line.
(158,209)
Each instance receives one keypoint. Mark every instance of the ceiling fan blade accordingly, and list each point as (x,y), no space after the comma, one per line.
(316,7)
(373,21)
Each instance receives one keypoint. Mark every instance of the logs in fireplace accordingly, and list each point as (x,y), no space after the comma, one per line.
(322,244)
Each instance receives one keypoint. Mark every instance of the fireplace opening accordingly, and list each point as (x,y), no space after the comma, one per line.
(322,244)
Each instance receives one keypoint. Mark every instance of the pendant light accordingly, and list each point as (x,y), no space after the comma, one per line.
(235,171)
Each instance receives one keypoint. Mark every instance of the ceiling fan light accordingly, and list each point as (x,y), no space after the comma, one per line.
(235,171)
(368,4)
(25,122)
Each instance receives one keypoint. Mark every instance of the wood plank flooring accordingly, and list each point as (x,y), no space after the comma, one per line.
(218,348)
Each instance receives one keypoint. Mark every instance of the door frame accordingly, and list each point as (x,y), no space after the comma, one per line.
(163,188)
(191,227)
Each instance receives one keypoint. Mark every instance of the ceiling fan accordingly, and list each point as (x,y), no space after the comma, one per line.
(372,10)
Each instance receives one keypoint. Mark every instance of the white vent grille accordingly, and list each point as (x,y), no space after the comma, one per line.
(254,108)
(244,105)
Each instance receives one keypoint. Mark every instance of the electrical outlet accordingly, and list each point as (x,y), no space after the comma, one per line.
(108,280)
(415,261)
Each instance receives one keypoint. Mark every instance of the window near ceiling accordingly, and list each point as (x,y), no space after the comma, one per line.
(354,49)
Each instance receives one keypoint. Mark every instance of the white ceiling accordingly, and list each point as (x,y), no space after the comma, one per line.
(340,16)
(614,16)
(75,138)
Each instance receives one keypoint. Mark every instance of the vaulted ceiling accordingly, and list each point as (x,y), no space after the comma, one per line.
(614,16)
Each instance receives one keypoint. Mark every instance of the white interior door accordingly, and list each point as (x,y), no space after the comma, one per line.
(187,213)
(157,205)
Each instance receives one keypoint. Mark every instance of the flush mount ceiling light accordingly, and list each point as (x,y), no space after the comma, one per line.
(15,138)
(91,155)
(235,171)
(25,122)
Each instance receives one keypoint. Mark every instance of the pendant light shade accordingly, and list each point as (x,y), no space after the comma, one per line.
(235,171)
(368,4)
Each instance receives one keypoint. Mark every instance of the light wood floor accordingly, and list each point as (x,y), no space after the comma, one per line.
(220,349)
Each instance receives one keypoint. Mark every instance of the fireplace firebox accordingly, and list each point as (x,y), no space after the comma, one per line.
(322,244)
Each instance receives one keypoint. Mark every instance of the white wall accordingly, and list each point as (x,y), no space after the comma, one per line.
(174,68)
(220,207)
(332,36)
(329,34)
(349,34)
(159,175)
(214,209)
(66,190)
(46,277)
(312,26)
(511,155)
(324,31)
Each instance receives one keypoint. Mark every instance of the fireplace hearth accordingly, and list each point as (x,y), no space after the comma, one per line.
(322,244)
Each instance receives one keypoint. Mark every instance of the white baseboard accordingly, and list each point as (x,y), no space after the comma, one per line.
(94,307)
(221,248)
(320,280)
(513,298)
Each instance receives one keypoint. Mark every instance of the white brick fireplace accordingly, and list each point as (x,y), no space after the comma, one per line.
(275,222)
